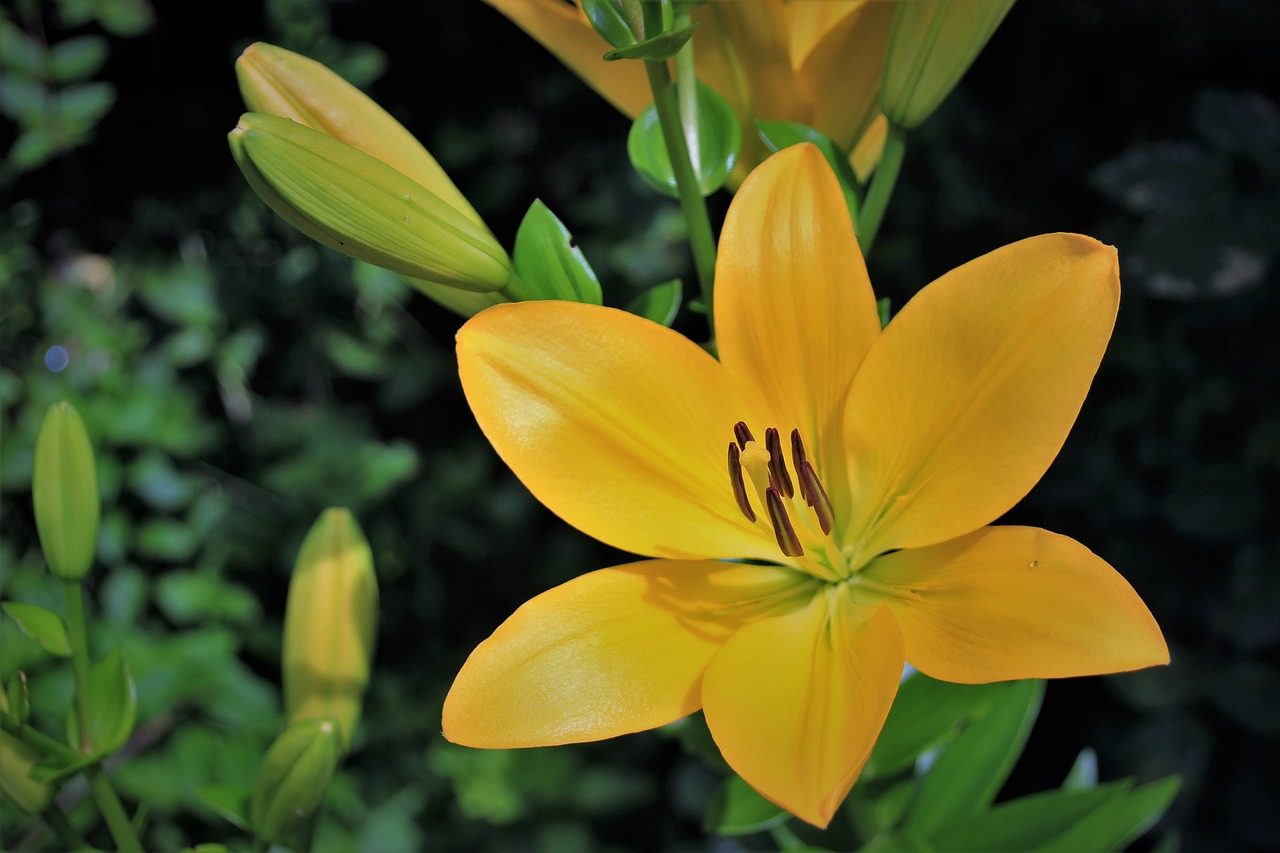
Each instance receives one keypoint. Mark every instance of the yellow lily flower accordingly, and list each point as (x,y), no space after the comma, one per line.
(855,470)
(814,63)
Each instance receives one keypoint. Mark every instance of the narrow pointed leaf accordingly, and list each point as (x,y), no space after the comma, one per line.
(927,713)
(719,142)
(1084,772)
(1027,822)
(783,134)
(659,303)
(660,48)
(547,263)
(969,772)
(40,624)
(737,809)
(1121,820)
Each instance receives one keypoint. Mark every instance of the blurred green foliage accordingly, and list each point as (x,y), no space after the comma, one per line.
(237,379)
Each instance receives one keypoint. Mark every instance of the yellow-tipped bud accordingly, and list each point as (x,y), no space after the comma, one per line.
(64,489)
(931,46)
(16,761)
(279,82)
(293,778)
(355,203)
(329,624)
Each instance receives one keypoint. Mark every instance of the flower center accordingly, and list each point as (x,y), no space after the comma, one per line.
(766,469)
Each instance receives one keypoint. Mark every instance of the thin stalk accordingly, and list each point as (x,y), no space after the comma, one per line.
(878,194)
(104,795)
(39,740)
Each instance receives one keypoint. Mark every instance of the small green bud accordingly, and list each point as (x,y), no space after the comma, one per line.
(350,201)
(16,762)
(931,46)
(64,489)
(293,778)
(329,624)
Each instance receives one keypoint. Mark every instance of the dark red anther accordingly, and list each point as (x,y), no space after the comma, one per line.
(742,434)
(777,465)
(816,496)
(782,529)
(739,484)
(798,461)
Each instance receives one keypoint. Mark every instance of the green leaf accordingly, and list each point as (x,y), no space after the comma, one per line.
(610,21)
(783,134)
(18,697)
(77,58)
(1120,820)
(42,625)
(737,809)
(229,801)
(547,263)
(969,772)
(660,48)
(1027,822)
(81,106)
(718,141)
(1083,774)
(691,732)
(659,303)
(925,714)
(113,703)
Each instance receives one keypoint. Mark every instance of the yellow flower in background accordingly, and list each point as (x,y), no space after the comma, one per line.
(278,82)
(854,470)
(814,63)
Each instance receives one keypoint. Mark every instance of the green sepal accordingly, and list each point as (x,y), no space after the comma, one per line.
(619,22)
(660,48)
(293,778)
(42,625)
(777,135)
(719,142)
(738,809)
(660,303)
(64,492)
(113,708)
(18,697)
(968,773)
(229,801)
(926,714)
(548,265)
(884,307)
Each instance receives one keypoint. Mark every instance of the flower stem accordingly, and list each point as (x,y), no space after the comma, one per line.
(104,795)
(692,203)
(881,188)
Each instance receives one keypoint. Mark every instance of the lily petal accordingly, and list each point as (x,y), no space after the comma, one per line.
(795,313)
(617,424)
(614,651)
(810,23)
(796,702)
(563,30)
(1006,603)
(968,395)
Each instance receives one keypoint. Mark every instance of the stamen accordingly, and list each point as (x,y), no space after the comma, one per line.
(816,496)
(742,434)
(798,459)
(739,484)
(782,529)
(777,465)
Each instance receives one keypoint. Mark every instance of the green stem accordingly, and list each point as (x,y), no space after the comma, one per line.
(104,795)
(67,835)
(886,175)
(39,740)
(692,203)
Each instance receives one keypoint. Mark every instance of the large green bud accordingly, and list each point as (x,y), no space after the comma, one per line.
(64,489)
(329,624)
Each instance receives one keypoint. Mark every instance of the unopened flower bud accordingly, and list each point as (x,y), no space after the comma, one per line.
(329,624)
(293,778)
(16,762)
(64,489)
(350,201)
(931,46)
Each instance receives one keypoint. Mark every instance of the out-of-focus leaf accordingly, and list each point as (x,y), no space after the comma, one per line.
(1244,124)
(114,703)
(81,106)
(40,624)
(1027,822)
(188,597)
(229,801)
(1163,176)
(1083,774)
(969,772)
(737,809)
(77,58)
(719,139)
(660,303)
(1119,821)
(168,540)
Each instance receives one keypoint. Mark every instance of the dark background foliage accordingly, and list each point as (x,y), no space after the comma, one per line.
(238,379)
